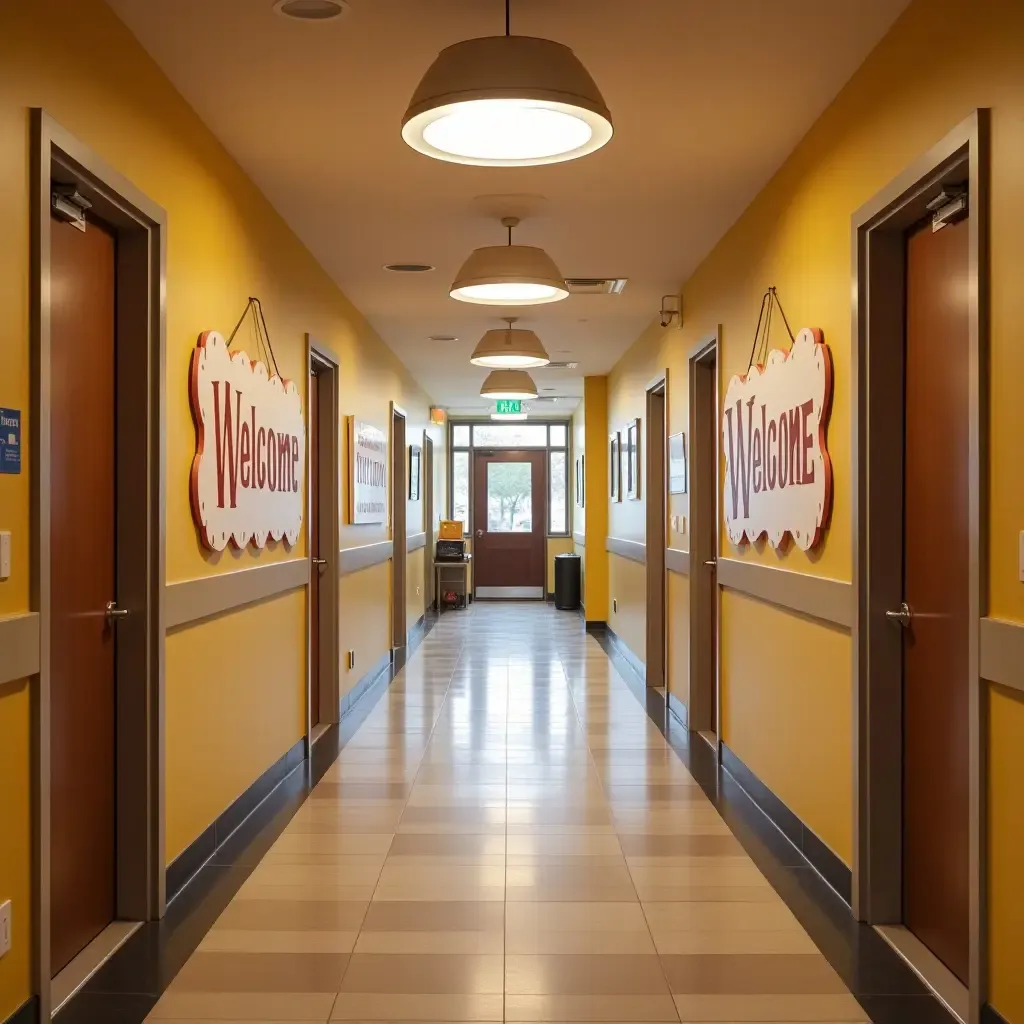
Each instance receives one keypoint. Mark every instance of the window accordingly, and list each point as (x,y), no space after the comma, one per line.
(558,509)
(509,497)
(460,488)
(510,435)
(510,503)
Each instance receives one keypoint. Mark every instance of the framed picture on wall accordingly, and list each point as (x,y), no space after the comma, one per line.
(615,466)
(415,458)
(677,464)
(633,459)
(580,481)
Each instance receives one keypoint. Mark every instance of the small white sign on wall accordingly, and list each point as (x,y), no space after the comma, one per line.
(368,473)
(778,474)
(248,474)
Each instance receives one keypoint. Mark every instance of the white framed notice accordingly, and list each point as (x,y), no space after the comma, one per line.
(368,473)
(247,484)
(778,474)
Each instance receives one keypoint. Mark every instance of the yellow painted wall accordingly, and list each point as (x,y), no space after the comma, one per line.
(678,625)
(1006,853)
(595,530)
(364,600)
(627,602)
(224,243)
(247,671)
(416,600)
(15,848)
(796,235)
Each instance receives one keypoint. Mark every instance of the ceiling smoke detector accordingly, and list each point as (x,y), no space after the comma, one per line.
(312,10)
(408,268)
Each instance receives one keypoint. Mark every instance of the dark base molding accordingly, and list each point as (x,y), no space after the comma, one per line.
(415,632)
(990,1015)
(678,708)
(28,1013)
(635,662)
(379,667)
(187,864)
(817,854)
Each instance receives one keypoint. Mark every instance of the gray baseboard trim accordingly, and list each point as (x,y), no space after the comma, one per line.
(678,708)
(636,663)
(634,550)
(1002,652)
(208,596)
(579,539)
(19,647)
(353,559)
(677,561)
(415,541)
(817,596)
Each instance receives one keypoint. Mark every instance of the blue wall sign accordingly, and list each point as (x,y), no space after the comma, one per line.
(10,441)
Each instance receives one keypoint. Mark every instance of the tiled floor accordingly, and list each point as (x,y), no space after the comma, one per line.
(507,836)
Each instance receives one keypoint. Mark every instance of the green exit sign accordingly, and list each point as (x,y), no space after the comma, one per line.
(508,406)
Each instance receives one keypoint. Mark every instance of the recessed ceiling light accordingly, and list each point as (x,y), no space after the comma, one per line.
(312,10)
(507,101)
(408,268)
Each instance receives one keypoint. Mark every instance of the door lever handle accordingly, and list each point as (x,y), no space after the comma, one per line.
(114,613)
(319,561)
(901,617)
(711,563)
(479,533)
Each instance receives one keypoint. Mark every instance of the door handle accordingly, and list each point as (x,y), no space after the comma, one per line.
(114,613)
(711,563)
(901,617)
(319,561)
(479,533)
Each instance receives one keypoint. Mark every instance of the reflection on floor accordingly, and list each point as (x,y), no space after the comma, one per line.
(507,836)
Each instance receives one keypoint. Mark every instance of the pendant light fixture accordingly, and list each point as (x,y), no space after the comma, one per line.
(509,275)
(509,348)
(508,384)
(507,101)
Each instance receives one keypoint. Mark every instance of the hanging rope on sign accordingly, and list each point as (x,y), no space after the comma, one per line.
(264,350)
(762,333)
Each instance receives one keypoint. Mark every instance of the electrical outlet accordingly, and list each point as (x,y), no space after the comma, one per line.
(615,605)
(5,927)
(417,591)
(5,554)
(351,659)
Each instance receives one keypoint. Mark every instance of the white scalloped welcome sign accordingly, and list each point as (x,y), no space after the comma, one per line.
(247,483)
(778,474)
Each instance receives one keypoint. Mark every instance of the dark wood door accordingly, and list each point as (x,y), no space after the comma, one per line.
(509,523)
(710,386)
(82,581)
(314,549)
(936,579)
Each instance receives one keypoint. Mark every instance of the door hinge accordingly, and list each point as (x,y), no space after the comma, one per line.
(949,206)
(68,204)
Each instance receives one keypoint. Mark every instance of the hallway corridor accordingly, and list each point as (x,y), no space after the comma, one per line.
(507,836)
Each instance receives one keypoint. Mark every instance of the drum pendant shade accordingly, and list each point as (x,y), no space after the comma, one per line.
(507,101)
(509,348)
(508,384)
(509,275)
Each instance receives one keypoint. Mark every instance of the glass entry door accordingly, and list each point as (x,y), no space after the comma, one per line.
(510,521)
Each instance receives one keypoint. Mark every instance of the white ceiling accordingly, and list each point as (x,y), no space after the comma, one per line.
(708,97)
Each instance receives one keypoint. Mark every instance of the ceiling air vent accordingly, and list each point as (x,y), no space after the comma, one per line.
(596,285)
(560,366)
(311,10)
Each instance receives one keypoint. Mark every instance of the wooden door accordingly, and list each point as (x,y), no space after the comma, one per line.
(399,530)
(82,582)
(315,569)
(936,581)
(657,535)
(510,524)
(428,519)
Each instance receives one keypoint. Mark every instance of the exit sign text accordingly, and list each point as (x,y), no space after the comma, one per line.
(508,406)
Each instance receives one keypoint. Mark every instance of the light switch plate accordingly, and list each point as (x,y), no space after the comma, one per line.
(5,554)
(5,927)
(1020,558)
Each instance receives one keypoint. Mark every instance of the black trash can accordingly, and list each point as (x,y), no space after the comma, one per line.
(567,582)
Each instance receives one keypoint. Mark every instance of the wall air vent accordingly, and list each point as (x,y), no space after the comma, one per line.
(595,285)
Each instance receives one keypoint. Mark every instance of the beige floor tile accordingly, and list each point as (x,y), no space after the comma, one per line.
(584,974)
(360,1006)
(593,1008)
(729,916)
(224,940)
(259,1007)
(835,1009)
(752,974)
(423,974)
(261,972)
